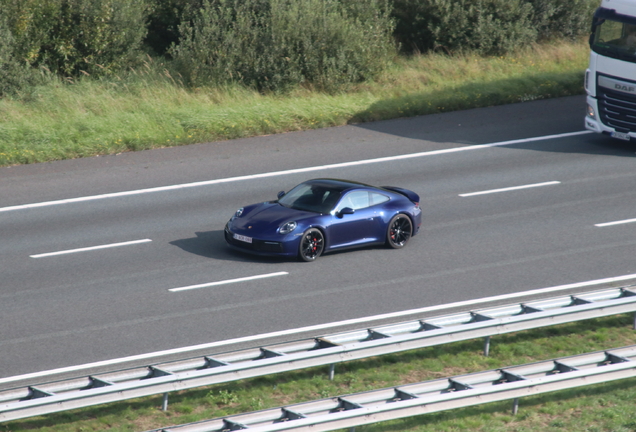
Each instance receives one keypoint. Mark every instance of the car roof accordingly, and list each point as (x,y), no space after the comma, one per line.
(338,184)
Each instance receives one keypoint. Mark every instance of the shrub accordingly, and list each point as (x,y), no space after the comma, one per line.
(14,75)
(164,17)
(562,18)
(74,36)
(488,26)
(272,44)
(484,26)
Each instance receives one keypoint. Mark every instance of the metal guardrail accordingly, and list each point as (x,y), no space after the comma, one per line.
(330,349)
(430,396)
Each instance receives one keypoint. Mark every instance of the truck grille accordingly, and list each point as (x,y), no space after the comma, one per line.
(617,109)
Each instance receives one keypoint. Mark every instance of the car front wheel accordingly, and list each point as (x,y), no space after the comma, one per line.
(399,231)
(311,245)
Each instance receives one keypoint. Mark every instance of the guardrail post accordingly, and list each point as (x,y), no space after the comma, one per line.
(515,406)
(486,346)
(332,370)
(164,405)
(634,320)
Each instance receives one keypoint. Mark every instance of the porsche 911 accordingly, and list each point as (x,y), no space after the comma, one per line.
(326,215)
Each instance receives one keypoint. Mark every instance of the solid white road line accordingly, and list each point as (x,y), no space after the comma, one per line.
(626,221)
(229,281)
(292,171)
(317,327)
(70,251)
(510,188)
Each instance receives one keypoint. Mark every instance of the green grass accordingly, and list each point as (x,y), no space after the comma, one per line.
(602,407)
(149,109)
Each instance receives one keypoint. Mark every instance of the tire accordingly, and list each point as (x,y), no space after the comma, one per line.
(399,231)
(312,243)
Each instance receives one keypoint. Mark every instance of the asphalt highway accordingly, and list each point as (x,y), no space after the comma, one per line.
(108,257)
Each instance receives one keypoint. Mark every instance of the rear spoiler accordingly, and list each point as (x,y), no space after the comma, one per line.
(407,193)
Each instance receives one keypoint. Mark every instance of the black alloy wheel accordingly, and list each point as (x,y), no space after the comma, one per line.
(399,231)
(311,245)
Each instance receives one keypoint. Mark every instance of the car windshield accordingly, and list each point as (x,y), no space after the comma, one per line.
(615,39)
(313,197)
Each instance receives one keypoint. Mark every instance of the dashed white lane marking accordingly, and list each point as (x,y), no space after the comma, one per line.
(292,171)
(91,248)
(229,281)
(510,188)
(626,221)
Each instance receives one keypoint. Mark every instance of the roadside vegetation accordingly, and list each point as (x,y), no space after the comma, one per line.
(148,109)
(82,78)
(602,407)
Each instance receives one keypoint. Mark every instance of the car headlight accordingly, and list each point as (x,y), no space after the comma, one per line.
(287,227)
(238,213)
(590,111)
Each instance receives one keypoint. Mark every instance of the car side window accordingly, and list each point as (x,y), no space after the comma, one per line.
(355,200)
(377,198)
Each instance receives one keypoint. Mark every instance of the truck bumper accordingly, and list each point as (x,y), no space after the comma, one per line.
(593,123)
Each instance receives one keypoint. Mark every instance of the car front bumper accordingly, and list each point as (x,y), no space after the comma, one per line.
(278,247)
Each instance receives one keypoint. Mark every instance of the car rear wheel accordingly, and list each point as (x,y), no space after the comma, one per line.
(311,245)
(399,231)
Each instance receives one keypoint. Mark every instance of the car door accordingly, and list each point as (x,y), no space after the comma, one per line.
(357,228)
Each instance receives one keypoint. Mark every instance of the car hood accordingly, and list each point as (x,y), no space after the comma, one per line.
(267,217)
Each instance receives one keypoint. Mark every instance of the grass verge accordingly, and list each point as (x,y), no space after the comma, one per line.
(150,109)
(602,407)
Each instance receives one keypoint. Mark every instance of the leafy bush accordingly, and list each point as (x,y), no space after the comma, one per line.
(13,75)
(164,17)
(265,44)
(272,44)
(487,26)
(562,18)
(484,26)
(73,36)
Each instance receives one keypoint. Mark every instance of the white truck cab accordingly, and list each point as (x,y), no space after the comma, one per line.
(610,80)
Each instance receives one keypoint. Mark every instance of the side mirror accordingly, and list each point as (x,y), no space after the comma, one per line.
(280,194)
(346,211)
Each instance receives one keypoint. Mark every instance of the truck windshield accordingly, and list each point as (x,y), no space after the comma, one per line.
(614,39)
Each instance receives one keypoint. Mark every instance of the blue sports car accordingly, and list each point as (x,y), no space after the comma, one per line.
(326,215)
